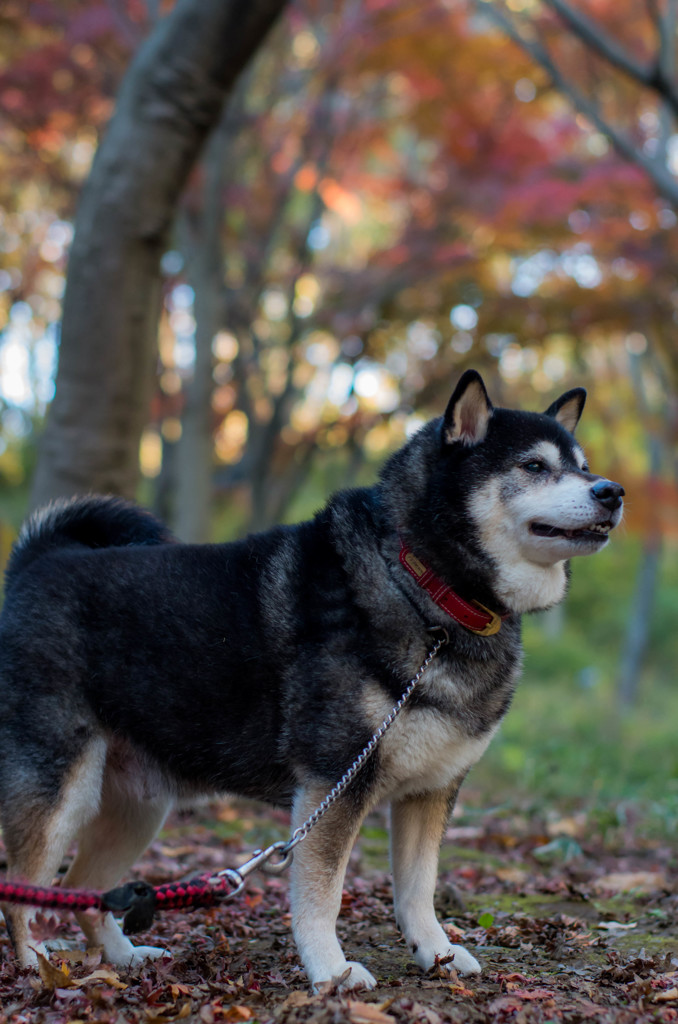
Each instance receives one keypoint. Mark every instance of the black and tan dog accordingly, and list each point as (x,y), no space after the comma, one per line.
(135,671)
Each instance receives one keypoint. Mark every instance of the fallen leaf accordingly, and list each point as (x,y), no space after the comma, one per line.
(461,990)
(296,999)
(627,881)
(53,977)
(666,997)
(237,1013)
(514,976)
(534,993)
(73,956)
(515,875)
(176,989)
(423,1014)
(505,1004)
(367,1013)
(101,976)
(166,1016)
(45,926)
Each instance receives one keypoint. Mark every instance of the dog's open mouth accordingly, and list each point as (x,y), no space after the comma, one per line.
(596,532)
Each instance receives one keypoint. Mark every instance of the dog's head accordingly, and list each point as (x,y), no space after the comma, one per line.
(509,490)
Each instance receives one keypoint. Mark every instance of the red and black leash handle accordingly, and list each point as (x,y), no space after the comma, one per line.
(140,901)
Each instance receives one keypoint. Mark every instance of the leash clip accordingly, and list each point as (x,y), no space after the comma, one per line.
(439,634)
(273,861)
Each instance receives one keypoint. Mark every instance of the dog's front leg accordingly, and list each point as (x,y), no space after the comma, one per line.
(316,882)
(417,827)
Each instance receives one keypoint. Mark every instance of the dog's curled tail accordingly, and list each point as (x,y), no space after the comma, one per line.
(93,521)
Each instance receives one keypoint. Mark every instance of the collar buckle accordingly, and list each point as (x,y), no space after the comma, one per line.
(492,627)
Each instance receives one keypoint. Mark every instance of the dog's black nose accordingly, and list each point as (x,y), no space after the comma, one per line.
(608,493)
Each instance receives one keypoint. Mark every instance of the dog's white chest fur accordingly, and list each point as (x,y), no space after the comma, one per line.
(424,750)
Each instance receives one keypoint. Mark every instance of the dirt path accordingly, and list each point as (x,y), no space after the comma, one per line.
(568,925)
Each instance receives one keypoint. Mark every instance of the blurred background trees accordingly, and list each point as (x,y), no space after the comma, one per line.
(393,192)
(169,101)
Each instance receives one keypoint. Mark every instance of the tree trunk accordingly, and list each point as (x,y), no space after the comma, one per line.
(171,98)
(194,466)
(200,244)
(647,578)
(638,626)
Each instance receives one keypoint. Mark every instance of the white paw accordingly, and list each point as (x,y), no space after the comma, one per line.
(463,962)
(139,955)
(359,977)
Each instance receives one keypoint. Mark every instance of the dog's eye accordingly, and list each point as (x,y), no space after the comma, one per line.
(535,466)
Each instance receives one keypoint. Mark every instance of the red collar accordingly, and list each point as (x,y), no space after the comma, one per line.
(474,616)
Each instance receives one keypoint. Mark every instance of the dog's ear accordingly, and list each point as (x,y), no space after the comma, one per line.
(568,408)
(468,412)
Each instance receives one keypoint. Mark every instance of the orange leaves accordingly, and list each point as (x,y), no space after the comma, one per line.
(306,178)
(336,196)
(217,1012)
(338,199)
(171,1014)
(651,507)
(354,1011)
(367,1013)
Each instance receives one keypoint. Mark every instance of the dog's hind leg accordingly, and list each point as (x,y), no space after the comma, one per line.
(316,882)
(108,846)
(39,825)
(417,827)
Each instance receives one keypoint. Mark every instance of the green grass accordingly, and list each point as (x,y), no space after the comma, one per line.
(566,739)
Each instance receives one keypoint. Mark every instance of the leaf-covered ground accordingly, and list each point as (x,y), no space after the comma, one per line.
(569,923)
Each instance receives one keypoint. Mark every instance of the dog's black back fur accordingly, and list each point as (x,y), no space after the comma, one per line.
(92,522)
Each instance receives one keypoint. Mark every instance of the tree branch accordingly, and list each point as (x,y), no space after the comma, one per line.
(596,39)
(666,23)
(663,180)
(653,75)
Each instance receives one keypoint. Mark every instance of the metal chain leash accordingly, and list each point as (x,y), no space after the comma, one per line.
(277,857)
